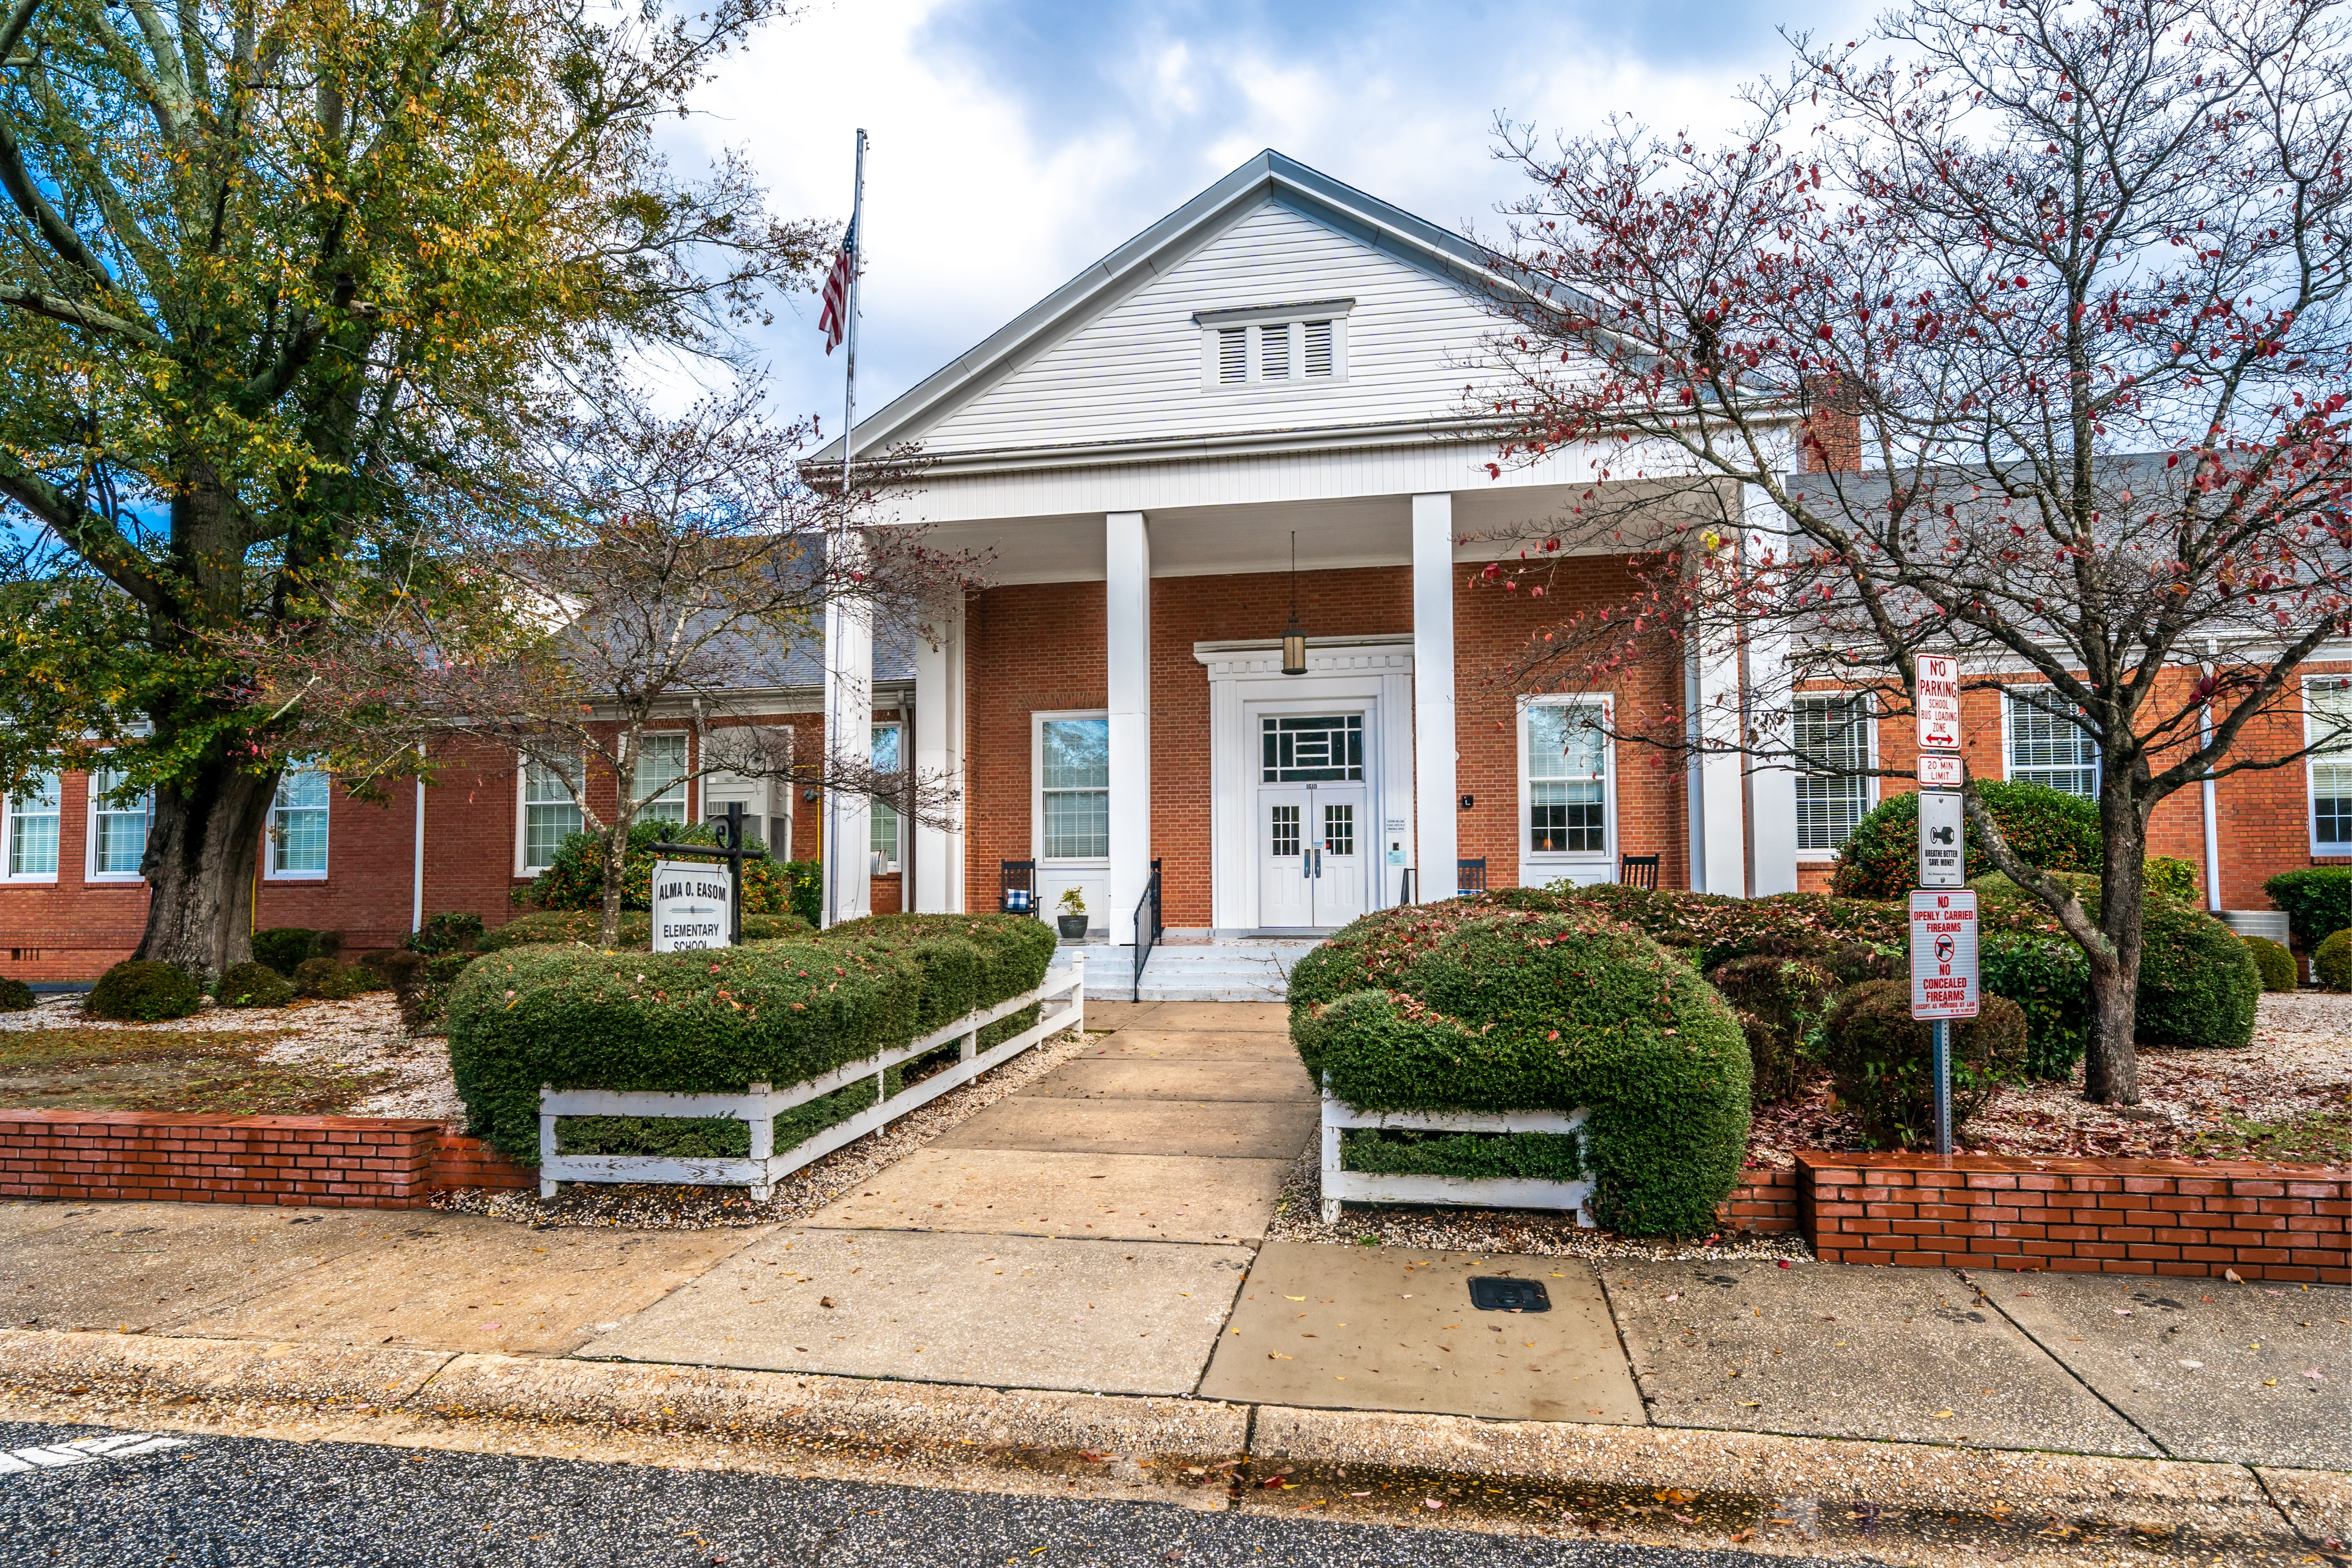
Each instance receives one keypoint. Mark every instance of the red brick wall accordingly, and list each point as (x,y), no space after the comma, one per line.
(462,1162)
(2115,1216)
(1765,1202)
(347,1162)
(1031,647)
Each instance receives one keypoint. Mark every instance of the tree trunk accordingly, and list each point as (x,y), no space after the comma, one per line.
(617,856)
(202,847)
(2111,1067)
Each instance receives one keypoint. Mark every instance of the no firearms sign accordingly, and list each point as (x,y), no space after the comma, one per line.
(1944,954)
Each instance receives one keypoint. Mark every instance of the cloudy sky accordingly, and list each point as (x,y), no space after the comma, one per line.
(1016,140)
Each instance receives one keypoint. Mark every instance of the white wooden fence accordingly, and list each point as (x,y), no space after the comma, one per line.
(761,1168)
(1480,1192)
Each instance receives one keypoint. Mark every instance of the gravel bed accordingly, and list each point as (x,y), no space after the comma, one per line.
(1536,1233)
(2299,1062)
(798,1196)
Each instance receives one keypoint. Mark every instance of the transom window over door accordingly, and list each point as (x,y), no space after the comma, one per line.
(1566,778)
(2047,745)
(1074,782)
(1329,749)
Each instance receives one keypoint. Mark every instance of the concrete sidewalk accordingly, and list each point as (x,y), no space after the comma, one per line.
(1100,1233)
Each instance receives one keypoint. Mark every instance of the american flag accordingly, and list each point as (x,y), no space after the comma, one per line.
(835,320)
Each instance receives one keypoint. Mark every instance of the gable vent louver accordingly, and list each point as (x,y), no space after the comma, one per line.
(1276,351)
(1319,348)
(1232,354)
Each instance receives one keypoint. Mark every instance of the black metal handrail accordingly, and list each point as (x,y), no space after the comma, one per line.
(1146,937)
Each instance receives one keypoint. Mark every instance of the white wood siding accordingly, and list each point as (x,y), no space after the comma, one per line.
(1134,372)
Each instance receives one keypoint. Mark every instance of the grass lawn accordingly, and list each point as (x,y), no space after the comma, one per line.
(2323,1136)
(196,1071)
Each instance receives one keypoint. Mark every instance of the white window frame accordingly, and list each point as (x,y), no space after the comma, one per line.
(891,864)
(523,868)
(8,836)
(2314,762)
(270,872)
(91,812)
(1038,722)
(1259,321)
(2008,699)
(1870,749)
(683,788)
(1566,859)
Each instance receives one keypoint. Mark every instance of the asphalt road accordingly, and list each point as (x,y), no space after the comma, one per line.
(229,1501)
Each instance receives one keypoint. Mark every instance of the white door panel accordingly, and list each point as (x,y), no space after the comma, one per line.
(1283,859)
(1339,868)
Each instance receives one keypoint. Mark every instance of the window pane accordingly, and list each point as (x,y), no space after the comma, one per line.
(298,822)
(1076,754)
(1831,734)
(660,777)
(1564,742)
(543,783)
(1286,830)
(884,834)
(2331,804)
(1339,830)
(119,831)
(1568,818)
(545,828)
(1077,823)
(2046,745)
(2330,706)
(33,830)
(886,748)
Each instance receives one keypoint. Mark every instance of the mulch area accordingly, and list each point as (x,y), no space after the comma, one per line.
(2287,1096)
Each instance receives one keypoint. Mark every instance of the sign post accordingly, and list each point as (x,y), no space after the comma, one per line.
(1943,983)
(704,896)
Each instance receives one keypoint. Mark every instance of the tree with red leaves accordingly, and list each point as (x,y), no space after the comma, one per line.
(2018,331)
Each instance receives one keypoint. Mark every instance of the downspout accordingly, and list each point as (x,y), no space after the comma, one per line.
(416,897)
(2212,817)
(907,838)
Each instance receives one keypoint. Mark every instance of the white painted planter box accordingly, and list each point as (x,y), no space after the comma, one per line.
(1482,1192)
(765,1165)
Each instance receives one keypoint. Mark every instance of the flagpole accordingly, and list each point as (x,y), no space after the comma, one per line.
(836,855)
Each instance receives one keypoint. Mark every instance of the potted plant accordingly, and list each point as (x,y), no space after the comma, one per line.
(1073,917)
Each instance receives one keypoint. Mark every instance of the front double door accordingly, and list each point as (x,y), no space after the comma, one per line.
(1313,842)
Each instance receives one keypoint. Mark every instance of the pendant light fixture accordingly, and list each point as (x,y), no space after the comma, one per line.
(1294,635)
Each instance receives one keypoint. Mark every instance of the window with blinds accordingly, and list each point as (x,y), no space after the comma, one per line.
(2047,744)
(2328,727)
(298,824)
(33,829)
(118,826)
(1074,787)
(550,814)
(660,783)
(1831,739)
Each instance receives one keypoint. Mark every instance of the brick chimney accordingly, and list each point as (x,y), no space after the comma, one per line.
(1831,426)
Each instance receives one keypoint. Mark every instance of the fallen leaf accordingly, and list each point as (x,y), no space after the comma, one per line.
(2232,1276)
(2193,1365)
(1431,1502)
(1942,1415)
(825,1300)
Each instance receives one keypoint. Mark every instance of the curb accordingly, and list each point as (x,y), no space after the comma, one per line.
(1789,1493)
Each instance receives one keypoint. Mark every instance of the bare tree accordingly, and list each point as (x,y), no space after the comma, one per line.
(646,573)
(2064,286)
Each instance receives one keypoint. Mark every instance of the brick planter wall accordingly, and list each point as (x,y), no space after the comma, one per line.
(332,1161)
(1766,1200)
(2104,1216)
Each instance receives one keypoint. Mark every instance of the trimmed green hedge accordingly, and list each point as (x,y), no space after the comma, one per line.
(2051,829)
(2048,977)
(253,984)
(2332,961)
(1715,928)
(1884,1062)
(15,997)
(2168,877)
(1523,1156)
(143,991)
(1526,1000)
(719,1021)
(2317,901)
(637,929)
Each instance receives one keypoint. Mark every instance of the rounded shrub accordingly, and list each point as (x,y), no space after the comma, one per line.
(718,1021)
(1535,1001)
(1715,928)
(2198,983)
(1780,1002)
(449,932)
(2275,963)
(2315,900)
(253,985)
(2053,830)
(284,948)
(143,991)
(1883,1061)
(15,997)
(2332,961)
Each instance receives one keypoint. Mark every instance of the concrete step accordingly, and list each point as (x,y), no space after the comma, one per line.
(1211,971)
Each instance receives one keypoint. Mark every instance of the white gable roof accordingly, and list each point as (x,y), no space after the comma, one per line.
(1115,357)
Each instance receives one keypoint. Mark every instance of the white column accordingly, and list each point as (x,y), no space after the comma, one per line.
(1771,791)
(1719,800)
(938,754)
(1127,618)
(849,748)
(1434,811)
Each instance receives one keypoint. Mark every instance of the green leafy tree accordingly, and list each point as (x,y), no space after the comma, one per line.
(279,280)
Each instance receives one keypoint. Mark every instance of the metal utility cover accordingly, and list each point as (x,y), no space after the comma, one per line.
(1489,1293)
